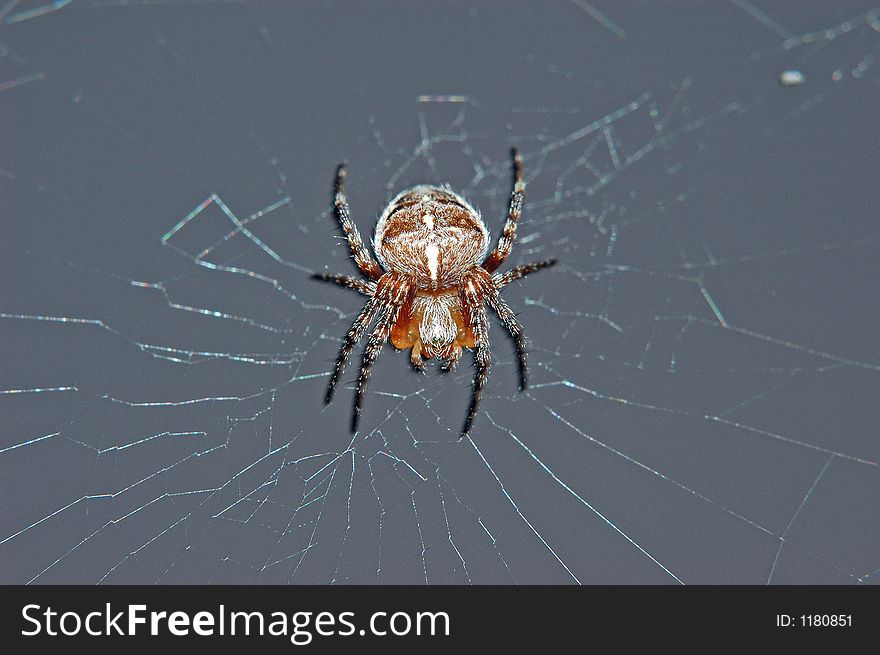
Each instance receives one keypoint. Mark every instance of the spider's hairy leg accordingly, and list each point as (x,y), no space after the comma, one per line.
(513,327)
(452,361)
(473,306)
(355,334)
(362,256)
(488,291)
(508,235)
(391,302)
(416,357)
(366,287)
(502,280)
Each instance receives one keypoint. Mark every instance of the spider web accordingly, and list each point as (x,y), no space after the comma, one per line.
(704,368)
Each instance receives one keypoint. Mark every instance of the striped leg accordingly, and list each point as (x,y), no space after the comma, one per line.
(502,280)
(362,256)
(508,235)
(371,353)
(394,296)
(363,286)
(513,327)
(474,309)
(355,334)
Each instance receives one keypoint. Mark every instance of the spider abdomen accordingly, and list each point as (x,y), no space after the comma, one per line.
(432,236)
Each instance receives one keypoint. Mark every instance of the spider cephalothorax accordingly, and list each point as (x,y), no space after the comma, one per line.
(429,289)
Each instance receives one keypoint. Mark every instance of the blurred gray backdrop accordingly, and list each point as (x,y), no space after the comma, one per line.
(705,362)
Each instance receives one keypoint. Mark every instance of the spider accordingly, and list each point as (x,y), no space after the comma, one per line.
(431,283)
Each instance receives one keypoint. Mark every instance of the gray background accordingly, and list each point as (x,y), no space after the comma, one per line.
(705,361)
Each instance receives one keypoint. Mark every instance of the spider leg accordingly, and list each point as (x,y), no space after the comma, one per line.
(355,334)
(508,235)
(363,286)
(502,280)
(391,305)
(453,359)
(416,357)
(362,256)
(513,327)
(488,291)
(482,357)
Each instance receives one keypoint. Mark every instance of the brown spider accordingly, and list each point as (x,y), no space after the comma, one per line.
(434,279)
